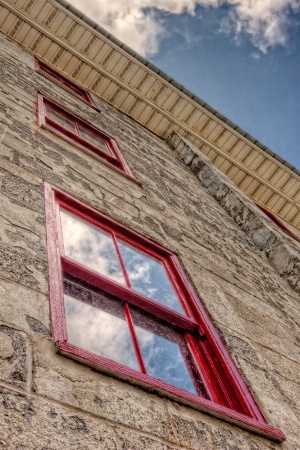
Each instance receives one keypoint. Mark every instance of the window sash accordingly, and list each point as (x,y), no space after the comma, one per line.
(221,378)
(189,324)
(139,325)
(75,136)
(115,267)
(49,72)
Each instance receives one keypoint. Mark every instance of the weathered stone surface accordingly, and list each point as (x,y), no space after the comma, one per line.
(226,247)
(284,255)
(17,265)
(30,308)
(31,424)
(195,431)
(80,387)
(13,356)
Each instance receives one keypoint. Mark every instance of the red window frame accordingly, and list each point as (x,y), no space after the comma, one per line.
(113,157)
(278,222)
(62,80)
(227,394)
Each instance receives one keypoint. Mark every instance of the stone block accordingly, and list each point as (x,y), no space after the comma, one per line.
(282,258)
(17,265)
(29,313)
(61,379)
(30,423)
(198,431)
(129,440)
(14,356)
(271,384)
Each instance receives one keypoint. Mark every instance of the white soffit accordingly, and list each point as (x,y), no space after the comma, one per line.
(84,54)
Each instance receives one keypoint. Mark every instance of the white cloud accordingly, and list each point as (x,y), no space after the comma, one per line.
(137,23)
(266,21)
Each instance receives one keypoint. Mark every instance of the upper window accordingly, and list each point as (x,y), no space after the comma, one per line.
(279,223)
(80,133)
(41,67)
(124,305)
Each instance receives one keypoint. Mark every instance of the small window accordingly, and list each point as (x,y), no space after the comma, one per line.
(123,304)
(278,222)
(59,78)
(80,133)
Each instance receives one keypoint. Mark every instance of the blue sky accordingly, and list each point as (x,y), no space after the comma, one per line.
(242,57)
(258,91)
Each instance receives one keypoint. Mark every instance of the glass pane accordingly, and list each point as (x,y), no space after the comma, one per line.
(96,323)
(164,352)
(93,139)
(74,88)
(90,246)
(60,119)
(148,277)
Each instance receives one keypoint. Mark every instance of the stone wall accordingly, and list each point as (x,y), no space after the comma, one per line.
(50,402)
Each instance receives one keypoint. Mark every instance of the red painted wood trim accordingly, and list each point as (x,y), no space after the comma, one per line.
(229,394)
(175,393)
(134,339)
(55,270)
(79,142)
(126,277)
(127,234)
(218,347)
(127,295)
(59,78)
(116,160)
(278,222)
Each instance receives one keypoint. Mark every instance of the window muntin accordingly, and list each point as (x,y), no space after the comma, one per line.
(106,327)
(81,134)
(98,324)
(189,338)
(148,276)
(49,72)
(101,251)
(160,350)
(93,139)
(165,353)
(59,119)
(90,246)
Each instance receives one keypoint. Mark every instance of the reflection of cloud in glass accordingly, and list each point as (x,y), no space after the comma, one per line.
(90,246)
(92,138)
(60,119)
(148,277)
(101,332)
(163,360)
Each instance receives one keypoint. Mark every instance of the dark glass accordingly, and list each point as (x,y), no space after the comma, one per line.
(96,323)
(60,119)
(90,246)
(148,277)
(164,352)
(93,139)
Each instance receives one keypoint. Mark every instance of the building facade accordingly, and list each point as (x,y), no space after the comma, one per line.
(179,323)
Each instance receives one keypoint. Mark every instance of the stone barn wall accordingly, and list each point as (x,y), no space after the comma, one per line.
(51,402)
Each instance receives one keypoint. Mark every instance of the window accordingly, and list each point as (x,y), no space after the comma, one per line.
(123,304)
(278,222)
(50,73)
(81,134)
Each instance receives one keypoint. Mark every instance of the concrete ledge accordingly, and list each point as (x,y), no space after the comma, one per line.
(280,250)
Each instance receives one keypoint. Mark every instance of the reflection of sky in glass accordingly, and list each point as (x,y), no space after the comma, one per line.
(60,119)
(90,246)
(93,139)
(163,360)
(148,277)
(103,332)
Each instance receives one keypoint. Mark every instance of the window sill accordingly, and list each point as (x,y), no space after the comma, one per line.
(90,152)
(146,382)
